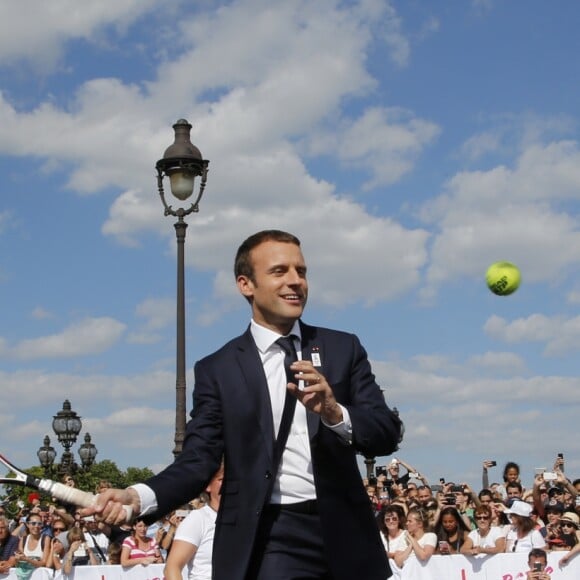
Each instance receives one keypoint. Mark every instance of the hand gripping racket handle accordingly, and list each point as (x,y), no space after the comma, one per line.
(74,496)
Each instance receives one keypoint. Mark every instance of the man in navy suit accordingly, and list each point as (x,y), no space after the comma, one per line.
(293,503)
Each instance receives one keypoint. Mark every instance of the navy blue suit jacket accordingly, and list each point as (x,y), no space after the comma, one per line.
(232,416)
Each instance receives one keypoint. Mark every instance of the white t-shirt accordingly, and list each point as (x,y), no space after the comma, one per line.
(396,545)
(198,529)
(487,541)
(532,540)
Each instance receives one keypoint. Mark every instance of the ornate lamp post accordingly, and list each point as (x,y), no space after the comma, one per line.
(87,452)
(67,425)
(182,162)
(46,455)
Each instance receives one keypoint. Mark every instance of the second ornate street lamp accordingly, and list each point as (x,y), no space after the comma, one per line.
(46,455)
(67,425)
(182,162)
(87,452)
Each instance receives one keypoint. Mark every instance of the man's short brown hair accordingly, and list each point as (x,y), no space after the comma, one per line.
(243,265)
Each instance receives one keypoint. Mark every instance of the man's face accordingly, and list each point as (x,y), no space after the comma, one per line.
(424,495)
(513,492)
(279,289)
(537,559)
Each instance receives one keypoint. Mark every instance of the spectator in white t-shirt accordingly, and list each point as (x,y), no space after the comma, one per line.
(485,539)
(421,544)
(521,536)
(193,541)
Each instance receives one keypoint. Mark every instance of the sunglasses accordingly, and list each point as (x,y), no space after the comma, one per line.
(391,518)
(35,523)
(59,529)
(482,518)
(567,525)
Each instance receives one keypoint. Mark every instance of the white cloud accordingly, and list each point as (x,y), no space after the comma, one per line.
(37,31)
(386,141)
(507,362)
(561,335)
(85,337)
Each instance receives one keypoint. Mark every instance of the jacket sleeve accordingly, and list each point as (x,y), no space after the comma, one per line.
(377,429)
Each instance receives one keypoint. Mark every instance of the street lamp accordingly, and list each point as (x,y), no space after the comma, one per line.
(182,162)
(46,455)
(67,425)
(87,452)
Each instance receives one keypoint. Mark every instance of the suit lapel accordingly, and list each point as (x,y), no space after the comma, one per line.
(254,381)
(309,345)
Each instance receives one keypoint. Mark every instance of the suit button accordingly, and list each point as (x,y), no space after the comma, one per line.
(268,475)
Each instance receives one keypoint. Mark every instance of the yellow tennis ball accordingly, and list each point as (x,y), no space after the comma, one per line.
(503,278)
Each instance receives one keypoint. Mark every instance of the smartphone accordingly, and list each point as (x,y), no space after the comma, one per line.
(537,566)
(457,489)
(442,480)
(440,488)
(181,513)
(449,499)
(492,463)
(550,476)
(443,546)
(560,455)
(539,470)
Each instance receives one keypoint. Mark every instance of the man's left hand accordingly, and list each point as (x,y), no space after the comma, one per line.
(317,395)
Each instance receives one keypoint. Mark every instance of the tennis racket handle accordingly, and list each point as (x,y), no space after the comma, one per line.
(75,496)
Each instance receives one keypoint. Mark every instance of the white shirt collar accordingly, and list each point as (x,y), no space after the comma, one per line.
(265,338)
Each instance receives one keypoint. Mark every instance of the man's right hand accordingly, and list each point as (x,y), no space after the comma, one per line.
(110,506)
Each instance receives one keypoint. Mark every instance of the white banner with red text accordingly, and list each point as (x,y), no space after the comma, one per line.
(498,567)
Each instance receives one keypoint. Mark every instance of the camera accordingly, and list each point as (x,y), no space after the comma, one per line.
(449,499)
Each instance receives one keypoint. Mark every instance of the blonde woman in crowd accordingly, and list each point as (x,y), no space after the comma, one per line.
(421,543)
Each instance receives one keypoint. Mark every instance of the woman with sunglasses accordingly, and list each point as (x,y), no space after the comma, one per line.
(485,539)
(392,525)
(521,536)
(570,522)
(33,548)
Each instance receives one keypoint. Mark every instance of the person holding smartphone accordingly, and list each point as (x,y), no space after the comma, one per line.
(537,561)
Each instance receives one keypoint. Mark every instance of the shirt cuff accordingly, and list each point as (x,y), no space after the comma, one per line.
(344,428)
(147,498)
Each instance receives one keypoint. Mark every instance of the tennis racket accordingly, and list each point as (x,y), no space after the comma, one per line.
(57,490)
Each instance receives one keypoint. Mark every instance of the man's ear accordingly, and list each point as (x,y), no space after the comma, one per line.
(245,286)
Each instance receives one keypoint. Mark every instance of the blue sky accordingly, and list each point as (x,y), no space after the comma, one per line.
(408,144)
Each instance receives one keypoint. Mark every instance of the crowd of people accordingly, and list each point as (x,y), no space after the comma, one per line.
(418,520)
(51,535)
